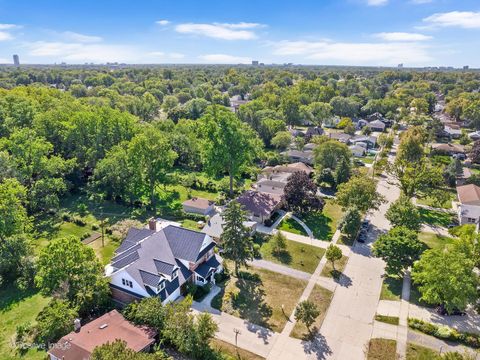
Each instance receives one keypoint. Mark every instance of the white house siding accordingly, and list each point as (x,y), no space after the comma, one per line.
(194,210)
(116,279)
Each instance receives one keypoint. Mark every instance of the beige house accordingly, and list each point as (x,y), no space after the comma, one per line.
(469,207)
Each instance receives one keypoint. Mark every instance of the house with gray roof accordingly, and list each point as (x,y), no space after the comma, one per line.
(377,125)
(159,261)
(214,226)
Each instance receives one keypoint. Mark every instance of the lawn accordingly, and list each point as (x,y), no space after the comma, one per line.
(391,288)
(298,256)
(339,267)
(18,308)
(434,241)
(393,320)
(320,297)
(324,224)
(368,159)
(417,352)
(232,352)
(292,226)
(259,295)
(435,218)
(382,349)
(190,224)
(450,194)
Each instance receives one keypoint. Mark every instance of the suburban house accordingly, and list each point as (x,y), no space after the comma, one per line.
(357,150)
(304,156)
(342,137)
(474,135)
(359,123)
(296,133)
(313,131)
(272,180)
(463,176)
(79,344)
(377,125)
(214,226)
(449,149)
(453,131)
(469,207)
(260,206)
(369,141)
(236,101)
(331,122)
(198,205)
(160,260)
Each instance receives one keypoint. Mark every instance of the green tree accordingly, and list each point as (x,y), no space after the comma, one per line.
(342,172)
(282,140)
(343,106)
(54,321)
(237,244)
(329,153)
(151,157)
(307,312)
(446,278)
(300,194)
(399,248)
(71,271)
(118,350)
(359,192)
(404,213)
(333,254)
(350,223)
(279,243)
(230,145)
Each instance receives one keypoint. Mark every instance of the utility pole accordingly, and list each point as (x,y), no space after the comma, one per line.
(103,222)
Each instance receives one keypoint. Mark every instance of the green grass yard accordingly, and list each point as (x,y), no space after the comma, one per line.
(292,226)
(393,320)
(298,256)
(322,298)
(418,352)
(258,296)
(391,288)
(434,241)
(435,218)
(328,270)
(232,352)
(18,308)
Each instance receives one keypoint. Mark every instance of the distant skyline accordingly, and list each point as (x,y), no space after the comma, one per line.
(325,32)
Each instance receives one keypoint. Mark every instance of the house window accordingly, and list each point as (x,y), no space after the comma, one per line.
(175,273)
(162,285)
(471,220)
(199,278)
(127,283)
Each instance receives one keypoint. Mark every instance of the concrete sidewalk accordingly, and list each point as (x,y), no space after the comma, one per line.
(281,269)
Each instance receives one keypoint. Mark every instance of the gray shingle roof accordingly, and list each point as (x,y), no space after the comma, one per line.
(164,267)
(149,278)
(208,266)
(185,244)
(126,260)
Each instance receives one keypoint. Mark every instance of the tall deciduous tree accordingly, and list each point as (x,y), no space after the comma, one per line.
(350,222)
(236,241)
(359,192)
(71,270)
(55,321)
(446,278)
(329,153)
(399,248)
(404,213)
(229,145)
(301,194)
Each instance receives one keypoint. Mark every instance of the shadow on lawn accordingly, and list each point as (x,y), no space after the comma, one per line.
(250,300)
(283,256)
(317,345)
(9,295)
(319,223)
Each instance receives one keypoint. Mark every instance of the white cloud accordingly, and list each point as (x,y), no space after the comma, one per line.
(77,37)
(419,2)
(377,2)
(82,52)
(9,26)
(163,22)
(4,36)
(238,31)
(225,59)
(401,36)
(354,53)
(170,55)
(462,19)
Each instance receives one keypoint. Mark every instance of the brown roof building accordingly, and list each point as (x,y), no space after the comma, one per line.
(198,206)
(469,194)
(79,345)
(449,148)
(260,205)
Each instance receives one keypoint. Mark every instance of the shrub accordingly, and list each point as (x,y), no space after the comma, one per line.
(86,235)
(95,227)
(66,217)
(256,251)
(221,277)
(78,221)
(201,292)
(445,333)
(193,216)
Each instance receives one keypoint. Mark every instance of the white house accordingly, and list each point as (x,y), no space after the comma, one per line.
(358,150)
(159,261)
(469,207)
(199,206)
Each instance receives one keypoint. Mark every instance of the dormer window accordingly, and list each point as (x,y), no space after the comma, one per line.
(161,286)
(174,274)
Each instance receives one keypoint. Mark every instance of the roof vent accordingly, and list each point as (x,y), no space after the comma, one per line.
(103,326)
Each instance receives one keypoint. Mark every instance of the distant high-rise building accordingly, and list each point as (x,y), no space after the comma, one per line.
(400,66)
(255,62)
(466,67)
(16,60)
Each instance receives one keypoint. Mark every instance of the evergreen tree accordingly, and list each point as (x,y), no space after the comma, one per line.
(236,241)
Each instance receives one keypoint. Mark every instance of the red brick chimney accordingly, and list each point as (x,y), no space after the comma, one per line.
(152,224)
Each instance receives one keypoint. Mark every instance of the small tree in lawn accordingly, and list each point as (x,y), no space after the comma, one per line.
(307,312)
(350,222)
(333,254)
(279,243)
(301,194)
(237,244)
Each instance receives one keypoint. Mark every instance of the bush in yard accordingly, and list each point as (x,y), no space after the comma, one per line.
(54,321)
(78,221)
(256,251)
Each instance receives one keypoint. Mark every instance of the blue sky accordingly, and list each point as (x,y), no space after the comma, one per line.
(336,32)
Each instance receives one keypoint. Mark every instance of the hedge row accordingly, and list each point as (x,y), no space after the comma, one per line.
(445,333)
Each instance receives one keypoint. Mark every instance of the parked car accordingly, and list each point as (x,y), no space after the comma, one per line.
(365,224)
(442,311)
(362,236)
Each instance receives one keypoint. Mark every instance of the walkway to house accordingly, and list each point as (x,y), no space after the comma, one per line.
(281,269)
(302,224)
